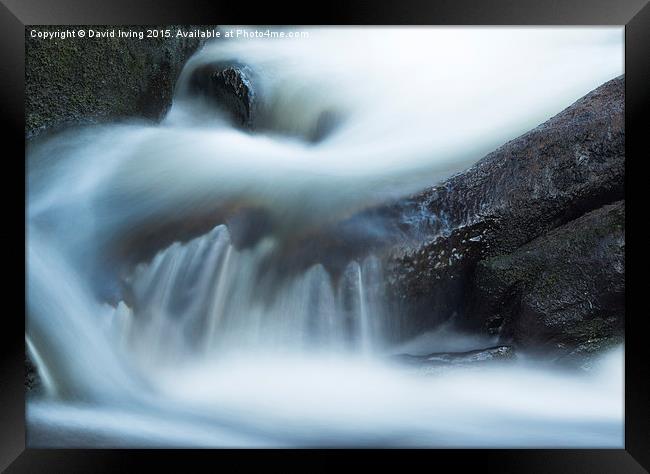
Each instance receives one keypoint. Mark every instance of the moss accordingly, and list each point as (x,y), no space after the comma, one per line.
(569,284)
(87,80)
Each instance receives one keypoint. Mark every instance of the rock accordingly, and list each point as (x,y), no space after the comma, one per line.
(442,360)
(563,293)
(32,379)
(569,165)
(230,87)
(235,89)
(79,80)
(573,163)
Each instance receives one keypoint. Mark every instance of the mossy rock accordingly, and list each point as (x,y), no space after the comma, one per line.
(87,80)
(563,293)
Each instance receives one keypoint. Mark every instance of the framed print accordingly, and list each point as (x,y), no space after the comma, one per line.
(401,233)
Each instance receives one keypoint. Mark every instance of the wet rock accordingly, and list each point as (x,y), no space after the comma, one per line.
(442,360)
(573,163)
(234,88)
(78,80)
(563,293)
(228,86)
(569,165)
(32,379)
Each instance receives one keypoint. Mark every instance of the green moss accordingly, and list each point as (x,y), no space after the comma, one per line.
(80,80)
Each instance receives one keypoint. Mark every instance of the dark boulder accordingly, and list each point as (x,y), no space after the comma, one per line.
(569,165)
(562,294)
(229,87)
(79,80)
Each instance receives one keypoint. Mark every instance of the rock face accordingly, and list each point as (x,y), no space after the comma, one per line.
(81,80)
(569,165)
(563,293)
(229,86)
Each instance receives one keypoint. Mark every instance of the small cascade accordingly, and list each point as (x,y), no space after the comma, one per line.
(206,297)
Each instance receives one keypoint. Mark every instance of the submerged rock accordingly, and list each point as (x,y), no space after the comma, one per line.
(444,360)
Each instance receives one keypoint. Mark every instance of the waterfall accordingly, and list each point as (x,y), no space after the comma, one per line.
(188,337)
(206,297)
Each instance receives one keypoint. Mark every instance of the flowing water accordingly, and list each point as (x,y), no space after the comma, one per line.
(208,342)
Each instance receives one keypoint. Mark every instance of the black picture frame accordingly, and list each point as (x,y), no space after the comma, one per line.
(16,14)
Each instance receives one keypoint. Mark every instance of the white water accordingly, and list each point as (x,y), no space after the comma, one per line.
(205,298)
(212,348)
